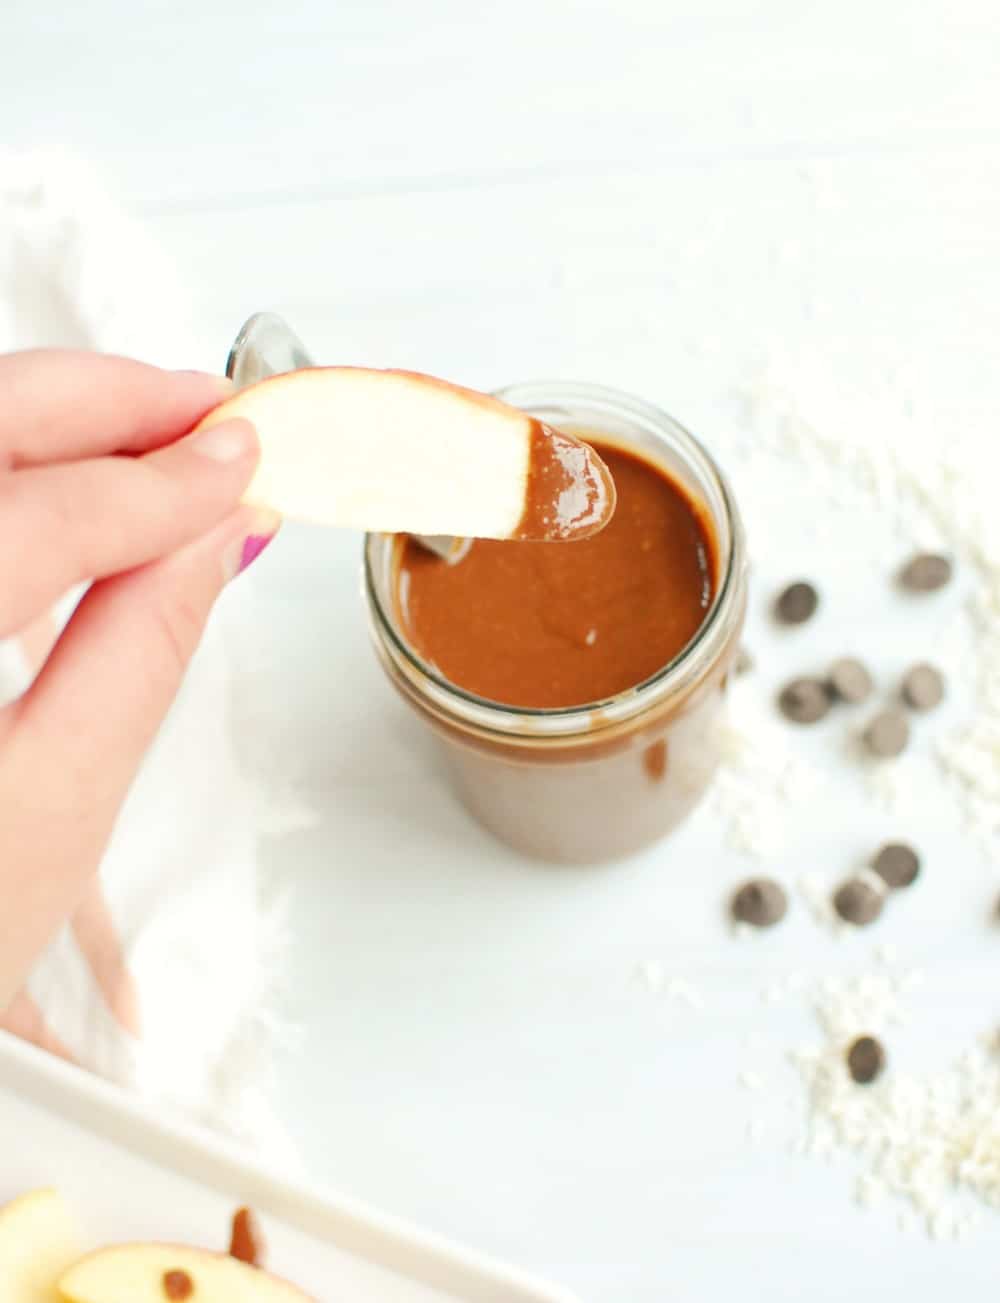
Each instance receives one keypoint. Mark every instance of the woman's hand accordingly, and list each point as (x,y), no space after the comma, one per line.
(101,480)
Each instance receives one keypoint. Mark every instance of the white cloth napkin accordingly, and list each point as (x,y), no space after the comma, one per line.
(201,935)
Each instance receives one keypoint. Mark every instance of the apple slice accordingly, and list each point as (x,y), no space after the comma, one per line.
(39,1239)
(164,1273)
(393,451)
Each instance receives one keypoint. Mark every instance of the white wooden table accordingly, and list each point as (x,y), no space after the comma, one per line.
(647,195)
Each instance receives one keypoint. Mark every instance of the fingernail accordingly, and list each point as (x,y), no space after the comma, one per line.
(244,551)
(227,441)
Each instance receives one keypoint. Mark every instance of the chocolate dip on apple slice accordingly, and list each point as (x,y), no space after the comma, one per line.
(399,452)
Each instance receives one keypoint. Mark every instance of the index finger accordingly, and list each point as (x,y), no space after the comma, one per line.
(58,405)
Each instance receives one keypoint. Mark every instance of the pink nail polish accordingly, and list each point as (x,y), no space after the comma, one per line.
(253,545)
(243,551)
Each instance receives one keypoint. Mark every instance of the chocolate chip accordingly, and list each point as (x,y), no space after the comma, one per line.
(923,687)
(857,902)
(796,603)
(865,1059)
(926,572)
(761,901)
(177,1284)
(849,680)
(897,864)
(804,701)
(887,734)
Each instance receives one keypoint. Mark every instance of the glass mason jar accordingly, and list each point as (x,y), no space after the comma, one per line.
(592,782)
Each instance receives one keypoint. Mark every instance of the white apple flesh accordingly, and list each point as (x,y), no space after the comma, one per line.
(393,451)
(39,1239)
(164,1273)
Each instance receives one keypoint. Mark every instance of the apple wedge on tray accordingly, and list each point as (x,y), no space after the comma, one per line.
(394,451)
(42,1260)
(160,1273)
(39,1240)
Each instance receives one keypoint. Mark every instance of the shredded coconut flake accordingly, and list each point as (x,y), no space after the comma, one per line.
(929,490)
(932,1140)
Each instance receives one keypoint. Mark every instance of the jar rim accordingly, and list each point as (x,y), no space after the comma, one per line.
(563,720)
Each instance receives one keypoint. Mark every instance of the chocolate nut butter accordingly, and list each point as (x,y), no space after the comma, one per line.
(577,688)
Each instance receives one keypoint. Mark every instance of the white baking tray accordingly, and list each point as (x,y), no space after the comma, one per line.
(132,1176)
